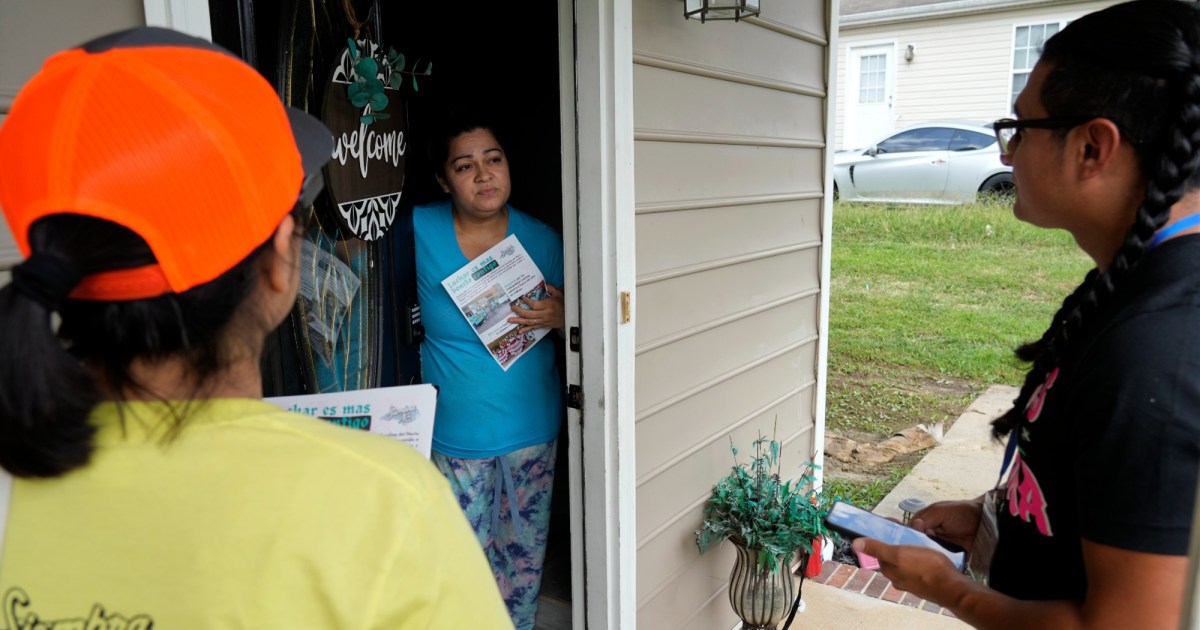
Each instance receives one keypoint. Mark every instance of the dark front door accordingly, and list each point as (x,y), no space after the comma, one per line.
(349,328)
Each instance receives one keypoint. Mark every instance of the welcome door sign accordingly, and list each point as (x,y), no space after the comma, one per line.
(363,108)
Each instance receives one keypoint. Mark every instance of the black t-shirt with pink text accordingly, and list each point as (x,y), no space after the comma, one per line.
(1110,448)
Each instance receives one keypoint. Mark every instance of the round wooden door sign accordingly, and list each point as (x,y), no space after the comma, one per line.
(367,117)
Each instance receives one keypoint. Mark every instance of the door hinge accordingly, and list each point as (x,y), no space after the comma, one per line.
(574,396)
(574,338)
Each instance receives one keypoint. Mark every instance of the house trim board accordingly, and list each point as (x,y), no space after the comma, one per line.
(570,235)
(943,10)
(826,279)
(605,148)
(189,16)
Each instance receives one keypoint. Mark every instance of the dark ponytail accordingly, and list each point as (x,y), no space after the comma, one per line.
(50,382)
(45,394)
(1137,65)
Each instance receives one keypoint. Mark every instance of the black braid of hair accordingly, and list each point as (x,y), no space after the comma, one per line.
(1034,349)
(1164,76)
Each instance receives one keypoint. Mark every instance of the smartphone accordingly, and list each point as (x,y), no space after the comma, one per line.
(855,522)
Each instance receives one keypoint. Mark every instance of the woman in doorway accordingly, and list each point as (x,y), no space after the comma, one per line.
(1105,435)
(154,181)
(496,429)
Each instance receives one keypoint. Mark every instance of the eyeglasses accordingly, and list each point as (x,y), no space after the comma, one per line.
(1008,130)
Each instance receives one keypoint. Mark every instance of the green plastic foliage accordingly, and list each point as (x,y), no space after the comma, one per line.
(367,90)
(755,508)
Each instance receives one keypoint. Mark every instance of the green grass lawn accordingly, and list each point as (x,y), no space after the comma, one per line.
(927,304)
(943,290)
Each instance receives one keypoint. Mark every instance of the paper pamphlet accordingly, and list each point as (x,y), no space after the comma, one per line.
(485,291)
(404,413)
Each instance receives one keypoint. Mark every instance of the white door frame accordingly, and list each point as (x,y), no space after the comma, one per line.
(603,109)
(189,16)
(570,236)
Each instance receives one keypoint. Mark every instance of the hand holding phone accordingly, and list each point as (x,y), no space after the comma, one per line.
(854,522)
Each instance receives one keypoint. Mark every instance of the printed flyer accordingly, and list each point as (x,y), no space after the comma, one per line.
(404,413)
(485,291)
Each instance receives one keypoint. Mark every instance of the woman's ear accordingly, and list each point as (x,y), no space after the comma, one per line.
(1102,141)
(280,269)
(283,266)
(442,182)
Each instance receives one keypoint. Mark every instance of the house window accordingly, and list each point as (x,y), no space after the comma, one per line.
(872,75)
(1027,48)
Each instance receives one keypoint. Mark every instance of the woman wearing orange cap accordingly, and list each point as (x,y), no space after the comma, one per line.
(152,181)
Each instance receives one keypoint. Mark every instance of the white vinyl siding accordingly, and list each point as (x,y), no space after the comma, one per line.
(962,67)
(729,128)
(30,30)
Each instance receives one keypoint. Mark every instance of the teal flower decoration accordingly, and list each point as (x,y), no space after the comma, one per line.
(375,74)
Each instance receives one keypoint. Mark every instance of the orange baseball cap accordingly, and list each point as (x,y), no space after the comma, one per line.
(165,134)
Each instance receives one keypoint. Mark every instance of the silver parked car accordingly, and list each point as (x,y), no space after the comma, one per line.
(926,163)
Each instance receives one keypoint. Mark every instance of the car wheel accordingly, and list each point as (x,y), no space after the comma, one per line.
(999,185)
(835,191)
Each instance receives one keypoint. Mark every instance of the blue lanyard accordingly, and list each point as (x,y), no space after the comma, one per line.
(1009,452)
(1173,229)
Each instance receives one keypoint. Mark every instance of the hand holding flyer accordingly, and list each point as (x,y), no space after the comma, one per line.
(487,288)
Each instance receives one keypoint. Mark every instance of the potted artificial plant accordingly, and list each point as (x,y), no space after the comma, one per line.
(768,520)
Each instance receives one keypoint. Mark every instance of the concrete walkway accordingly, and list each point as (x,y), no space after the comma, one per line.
(963,466)
(829,607)
(967,462)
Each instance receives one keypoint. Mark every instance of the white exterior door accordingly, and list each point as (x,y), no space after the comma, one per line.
(870,75)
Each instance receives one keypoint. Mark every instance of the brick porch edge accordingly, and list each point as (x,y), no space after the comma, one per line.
(848,577)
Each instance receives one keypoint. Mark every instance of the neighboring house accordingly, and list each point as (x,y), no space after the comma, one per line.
(694,164)
(902,62)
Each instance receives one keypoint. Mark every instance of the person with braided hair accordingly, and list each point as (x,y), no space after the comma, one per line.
(1092,525)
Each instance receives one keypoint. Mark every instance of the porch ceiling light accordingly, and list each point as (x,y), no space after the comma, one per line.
(705,10)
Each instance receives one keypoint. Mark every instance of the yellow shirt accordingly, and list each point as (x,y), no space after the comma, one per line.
(249,518)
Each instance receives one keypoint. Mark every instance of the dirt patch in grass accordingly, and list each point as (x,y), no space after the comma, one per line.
(872,408)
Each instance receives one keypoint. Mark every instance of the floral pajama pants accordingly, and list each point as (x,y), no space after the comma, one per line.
(515,547)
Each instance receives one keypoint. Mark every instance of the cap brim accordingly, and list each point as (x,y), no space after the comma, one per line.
(147,36)
(315,142)
(313,138)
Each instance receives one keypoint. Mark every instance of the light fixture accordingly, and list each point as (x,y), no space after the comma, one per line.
(705,10)
(909,53)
